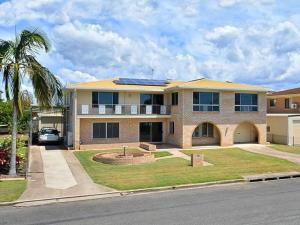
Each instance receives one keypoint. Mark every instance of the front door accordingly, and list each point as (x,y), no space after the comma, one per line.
(151,131)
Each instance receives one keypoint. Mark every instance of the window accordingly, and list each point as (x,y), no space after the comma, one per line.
(204,130)
(156,100)
(105,130)
(287,103)
(246,102)
(105,98)
(151,99)
(175,98)
(206,101)
(272,102)
(171,127)
(268,129)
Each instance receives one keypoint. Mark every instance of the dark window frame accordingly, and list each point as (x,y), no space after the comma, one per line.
(201,106)
(287,103)
(204,130)
(96,94)
(154,97)
(240,106)
(171,127)
(113,133)
(175,98)
(273,102)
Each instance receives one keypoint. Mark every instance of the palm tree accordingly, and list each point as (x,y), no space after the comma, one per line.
(17,61)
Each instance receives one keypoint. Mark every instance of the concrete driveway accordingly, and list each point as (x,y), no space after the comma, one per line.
(265,150)
(56,173)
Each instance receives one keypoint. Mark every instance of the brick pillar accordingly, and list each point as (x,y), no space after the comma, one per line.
(226,135)
(262,133)
(187,137)
(77,134)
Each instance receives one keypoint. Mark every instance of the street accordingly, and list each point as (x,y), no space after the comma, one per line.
(274,202)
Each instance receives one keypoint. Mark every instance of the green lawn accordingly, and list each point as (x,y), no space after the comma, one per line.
(286,148)
(230,163)
(11,190)
(161,154)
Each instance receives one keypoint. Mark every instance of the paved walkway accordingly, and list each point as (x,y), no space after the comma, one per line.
(57,173)
(265,150)
(178,154)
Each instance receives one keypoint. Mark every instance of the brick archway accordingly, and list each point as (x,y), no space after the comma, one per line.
(246,132)
(206,133)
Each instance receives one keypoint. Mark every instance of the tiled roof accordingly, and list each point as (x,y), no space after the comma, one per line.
(220,85)
(293,91)
(172,84)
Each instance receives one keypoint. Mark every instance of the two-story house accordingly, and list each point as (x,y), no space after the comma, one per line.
(122,111)
(283,118)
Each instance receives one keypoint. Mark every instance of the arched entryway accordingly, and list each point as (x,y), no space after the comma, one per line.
(206,134)
(245,132)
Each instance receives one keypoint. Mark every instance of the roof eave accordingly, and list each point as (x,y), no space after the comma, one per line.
(219,89)
(113,89)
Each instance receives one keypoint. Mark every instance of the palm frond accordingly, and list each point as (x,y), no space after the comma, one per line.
(30,42)
(6,52)
(47,87)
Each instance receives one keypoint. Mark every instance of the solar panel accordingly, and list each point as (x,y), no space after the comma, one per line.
(141,82)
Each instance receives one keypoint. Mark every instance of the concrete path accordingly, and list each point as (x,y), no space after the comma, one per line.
(265,150)
(178,154)
(56,170)
(57,173)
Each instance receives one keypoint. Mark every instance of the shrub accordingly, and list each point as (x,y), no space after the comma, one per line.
(5,147)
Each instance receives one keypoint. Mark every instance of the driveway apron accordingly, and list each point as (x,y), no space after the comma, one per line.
(55,173)
(265,150)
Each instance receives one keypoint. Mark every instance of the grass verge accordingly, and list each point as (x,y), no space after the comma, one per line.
(286,148)
(161,154)
(11,190)
(228,164)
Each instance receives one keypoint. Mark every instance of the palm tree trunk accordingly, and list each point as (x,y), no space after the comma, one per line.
(12,167)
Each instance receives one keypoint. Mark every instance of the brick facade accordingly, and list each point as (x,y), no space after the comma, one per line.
(280,104)
(185,121)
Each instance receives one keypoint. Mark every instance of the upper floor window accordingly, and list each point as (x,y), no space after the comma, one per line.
(287,103)
(175,98)
(151,99)
(206,101)
(245,102)
(105,98)
(272,102)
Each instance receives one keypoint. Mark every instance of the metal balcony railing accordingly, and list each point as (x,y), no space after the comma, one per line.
(123,109)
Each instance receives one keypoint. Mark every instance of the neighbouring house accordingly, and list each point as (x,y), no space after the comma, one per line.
(283,117)
(122,111)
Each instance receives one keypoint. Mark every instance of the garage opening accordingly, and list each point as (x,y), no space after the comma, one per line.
(206,134)
(245,133)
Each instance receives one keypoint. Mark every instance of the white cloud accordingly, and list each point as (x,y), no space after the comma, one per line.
(103,52)
(230,3)
(70,76)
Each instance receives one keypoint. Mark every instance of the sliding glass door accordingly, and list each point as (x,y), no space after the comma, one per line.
(151,131)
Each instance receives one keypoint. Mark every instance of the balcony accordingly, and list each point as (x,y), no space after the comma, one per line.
(123,109)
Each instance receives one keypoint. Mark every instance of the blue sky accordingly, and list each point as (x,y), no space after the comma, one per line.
(247,41)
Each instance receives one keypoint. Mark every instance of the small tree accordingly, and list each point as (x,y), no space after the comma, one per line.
(18,60)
